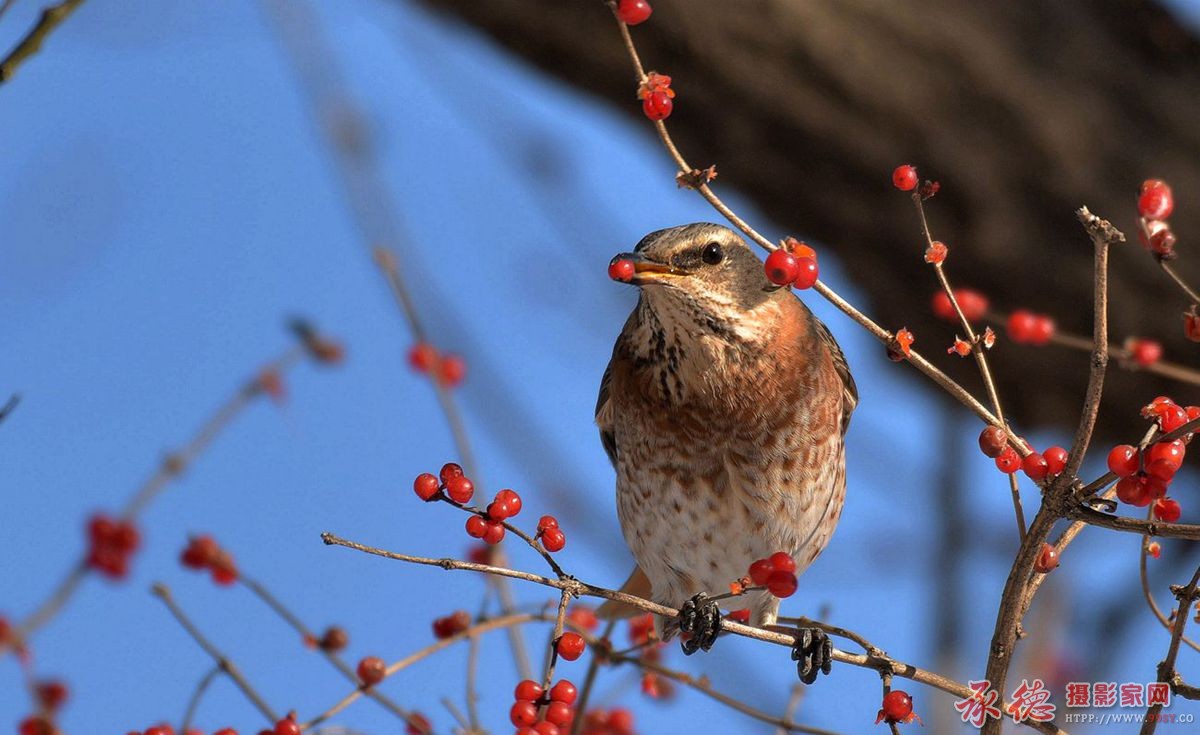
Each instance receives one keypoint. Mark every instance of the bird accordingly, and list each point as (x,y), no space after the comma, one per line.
(723,410)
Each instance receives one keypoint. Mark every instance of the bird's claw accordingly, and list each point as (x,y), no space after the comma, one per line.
(813,652)
(700,619)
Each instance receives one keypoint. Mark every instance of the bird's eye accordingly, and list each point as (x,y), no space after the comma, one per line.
(712,253)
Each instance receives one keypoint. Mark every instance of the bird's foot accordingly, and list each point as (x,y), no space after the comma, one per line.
(813,652)
(699,622)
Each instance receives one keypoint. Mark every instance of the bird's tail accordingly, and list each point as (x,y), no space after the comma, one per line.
(637,585)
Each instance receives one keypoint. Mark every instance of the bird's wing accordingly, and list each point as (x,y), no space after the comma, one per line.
(849,389)
(604,418)
(637,585)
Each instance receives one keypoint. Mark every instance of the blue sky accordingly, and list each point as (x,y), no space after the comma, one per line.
(165,205)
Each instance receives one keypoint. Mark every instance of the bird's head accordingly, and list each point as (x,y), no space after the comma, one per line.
(700,273)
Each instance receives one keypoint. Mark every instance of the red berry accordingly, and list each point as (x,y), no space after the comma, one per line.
(498,510)
(1191,327)
(1025,327)
(584,617)
(546,522)
(101,529)
(558,713)
(450,469)
(621,269)
(897,706)
(1056,460)
(782,561)
(52,694)
(1172,451)
(1156,200)
(1035,466)
(564,691)
(1167,510)
(126,537)
(905,177)
(200,552)
(1123,460)
(1145,352)
(371,670)
(808,273)
(512,500)
(993,440)
(494,533)
(781,267)
(225,573)
(760,571)
(1134,491)
(523,713)
(426,486)
(423,357)
(287,726)
(460,489)
(781,584)
(1009,461)
(333,639)
(452,624)
(658,105)
(528,691)
(476,527)
(620,720)
(452,370)
(1172,417)
(417,724)
(570,646)
(546,728)
(553,540)
(1047,559)
(633,12)
(739,616)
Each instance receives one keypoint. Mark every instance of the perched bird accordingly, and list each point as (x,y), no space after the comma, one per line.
(724,410)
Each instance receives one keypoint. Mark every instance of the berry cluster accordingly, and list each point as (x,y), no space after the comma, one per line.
(111,544)
(1146,473)
(1038,466)
(165,729)
(489,526)
(777,573)
(657,96)
(551,536)
(1155,204)
(897,708)
(616,721)
(452,624)
(448,369)
(974,305)
(540,712)
(793,264)
(203,552)
(451,482)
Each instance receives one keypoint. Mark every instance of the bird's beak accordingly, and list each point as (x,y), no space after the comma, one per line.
(646,270)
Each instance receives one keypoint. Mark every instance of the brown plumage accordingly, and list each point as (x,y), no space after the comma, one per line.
(723,411)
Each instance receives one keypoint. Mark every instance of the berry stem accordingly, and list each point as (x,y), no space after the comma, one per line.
(197,695)
(1145,579)
(226,665)
(262,593)
(980,355)
(884,336)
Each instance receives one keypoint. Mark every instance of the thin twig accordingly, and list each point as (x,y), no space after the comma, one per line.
(472,694)
(307,634)
(979,352)
(9,405)
(577,588)
(1166,668)
(50,19)
(1183,285)
(197,695)
(223,662)
(1143,553)
(345,127)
